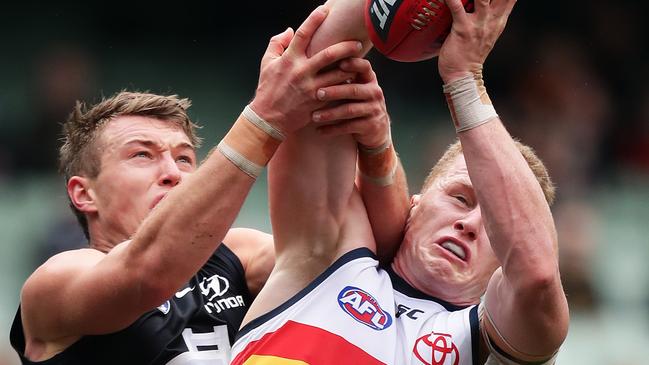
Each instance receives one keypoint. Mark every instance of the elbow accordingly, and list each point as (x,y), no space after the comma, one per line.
(543,290)
(539,280)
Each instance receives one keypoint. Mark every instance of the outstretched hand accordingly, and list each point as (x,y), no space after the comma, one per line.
(288,80)
(472,36)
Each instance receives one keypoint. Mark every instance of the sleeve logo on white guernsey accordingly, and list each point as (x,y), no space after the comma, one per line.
(436,349)
(362,306)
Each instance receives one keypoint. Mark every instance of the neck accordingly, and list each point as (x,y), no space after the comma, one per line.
(444,291)
(102,240)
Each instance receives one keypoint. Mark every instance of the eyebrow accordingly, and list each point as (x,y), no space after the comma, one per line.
(463,183)
(150,143)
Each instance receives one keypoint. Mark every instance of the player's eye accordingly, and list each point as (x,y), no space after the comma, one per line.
(143,154)
(185,159)
(461,199)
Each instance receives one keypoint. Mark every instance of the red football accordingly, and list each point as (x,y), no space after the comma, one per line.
(409,30)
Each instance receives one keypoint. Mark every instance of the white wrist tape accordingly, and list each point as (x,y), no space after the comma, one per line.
(381,181)
(468,102)
(379,149)
(262,124)
(250,143)
(379,167)
(250,168)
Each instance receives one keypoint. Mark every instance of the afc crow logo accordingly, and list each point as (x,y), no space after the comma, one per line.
(436,349)
(362,306)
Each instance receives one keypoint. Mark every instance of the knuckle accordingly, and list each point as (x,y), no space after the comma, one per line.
(356,91)
(301,34)
(329,54)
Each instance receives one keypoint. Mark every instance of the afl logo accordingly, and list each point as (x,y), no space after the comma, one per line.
(436,349)
(364,308)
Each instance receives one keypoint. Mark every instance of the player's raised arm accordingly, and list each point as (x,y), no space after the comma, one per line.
(312,192)
(380,177)
(526,313)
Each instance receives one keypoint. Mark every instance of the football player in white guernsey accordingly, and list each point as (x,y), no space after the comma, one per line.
(475,278)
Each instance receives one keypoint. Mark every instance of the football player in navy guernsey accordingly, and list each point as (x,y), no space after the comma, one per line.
(475,279)
(155,285)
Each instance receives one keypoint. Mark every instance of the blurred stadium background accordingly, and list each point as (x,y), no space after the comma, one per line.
(569,78)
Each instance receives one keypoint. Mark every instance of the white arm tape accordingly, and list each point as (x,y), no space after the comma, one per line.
(382,181)
(258,121)
(250,168)
(469,103)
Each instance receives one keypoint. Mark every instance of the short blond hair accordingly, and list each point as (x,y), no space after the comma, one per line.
(533,161)
(79,156)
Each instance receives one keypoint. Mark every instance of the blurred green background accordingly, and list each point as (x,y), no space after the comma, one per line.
(569,78)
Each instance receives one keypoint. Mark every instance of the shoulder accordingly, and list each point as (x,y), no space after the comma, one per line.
(59,266)
(248,243)
(48,283)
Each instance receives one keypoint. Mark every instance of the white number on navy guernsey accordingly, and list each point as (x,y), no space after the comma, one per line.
(217,341)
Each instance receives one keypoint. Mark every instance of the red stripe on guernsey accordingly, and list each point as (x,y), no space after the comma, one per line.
(301,342)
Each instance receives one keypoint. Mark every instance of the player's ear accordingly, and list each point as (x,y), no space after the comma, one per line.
(81,194)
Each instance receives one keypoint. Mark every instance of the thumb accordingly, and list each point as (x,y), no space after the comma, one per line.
(278,44)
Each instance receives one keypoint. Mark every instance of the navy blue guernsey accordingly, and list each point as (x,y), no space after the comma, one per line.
(196,326)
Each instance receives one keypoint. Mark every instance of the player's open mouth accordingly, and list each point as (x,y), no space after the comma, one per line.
(456,249)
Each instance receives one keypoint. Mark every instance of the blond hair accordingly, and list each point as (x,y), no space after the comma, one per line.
(533,161)
(78,156)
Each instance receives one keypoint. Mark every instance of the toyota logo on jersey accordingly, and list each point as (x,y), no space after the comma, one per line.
(364,308)
(436,349)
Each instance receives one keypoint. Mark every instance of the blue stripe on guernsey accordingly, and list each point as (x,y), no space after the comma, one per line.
(349,256)
(475,335)
(403,287)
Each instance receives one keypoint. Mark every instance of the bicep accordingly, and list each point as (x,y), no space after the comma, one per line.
(81,293)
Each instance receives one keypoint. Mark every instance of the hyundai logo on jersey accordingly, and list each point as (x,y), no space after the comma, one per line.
(364,308)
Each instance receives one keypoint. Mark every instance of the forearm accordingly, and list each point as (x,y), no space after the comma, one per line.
(526,299)
(311,178)
(387,207)
(345,22)
(516,216)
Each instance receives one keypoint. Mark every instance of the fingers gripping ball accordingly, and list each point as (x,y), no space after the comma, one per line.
(409,30)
